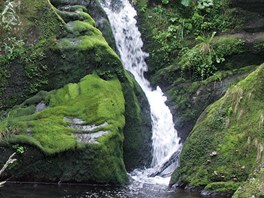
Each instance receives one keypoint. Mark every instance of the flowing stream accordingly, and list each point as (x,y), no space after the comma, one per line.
(122,17)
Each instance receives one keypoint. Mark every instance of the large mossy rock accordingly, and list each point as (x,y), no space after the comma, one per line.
(70,134)
(58,42)
(226,143)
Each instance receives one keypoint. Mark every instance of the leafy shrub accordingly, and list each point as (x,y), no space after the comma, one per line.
(225,46)
(259,45)
(202,4)
(186,2)
(201,59)
(10,22)
(13,48)
(19,149)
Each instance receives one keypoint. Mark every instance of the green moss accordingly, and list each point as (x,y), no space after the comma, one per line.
(24,111)
(229,128)
(86,44)
(82,43)
(210,55)
(89,53)
(259,45)
(61,48)
(55,52)
(221,75)
(228,45)
(39,27)
(222,186)
(169,28)
(48,128)
(40,96)
(78,8)
(189,99)
(93,100)
(79,27)
(253,187)
(73,16)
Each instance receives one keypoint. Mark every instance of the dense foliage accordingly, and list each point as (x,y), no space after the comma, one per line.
(186,27)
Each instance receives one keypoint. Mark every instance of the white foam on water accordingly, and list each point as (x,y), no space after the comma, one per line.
(165,141)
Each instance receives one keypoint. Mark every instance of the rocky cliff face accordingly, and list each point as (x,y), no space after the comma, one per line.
(75,132)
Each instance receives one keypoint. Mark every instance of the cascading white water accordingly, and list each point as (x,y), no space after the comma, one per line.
(122,15)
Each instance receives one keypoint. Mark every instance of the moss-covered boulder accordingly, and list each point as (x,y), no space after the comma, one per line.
(73,134)
(226,143)
(52,43)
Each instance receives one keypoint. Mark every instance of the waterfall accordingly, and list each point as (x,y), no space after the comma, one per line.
(122,15)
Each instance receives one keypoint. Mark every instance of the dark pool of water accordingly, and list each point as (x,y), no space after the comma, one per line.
(83,191)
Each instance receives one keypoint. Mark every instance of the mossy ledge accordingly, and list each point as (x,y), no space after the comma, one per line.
(226,144)
(52,151)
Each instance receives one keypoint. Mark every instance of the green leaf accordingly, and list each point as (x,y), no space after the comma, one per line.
(186,2)
(165,1)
